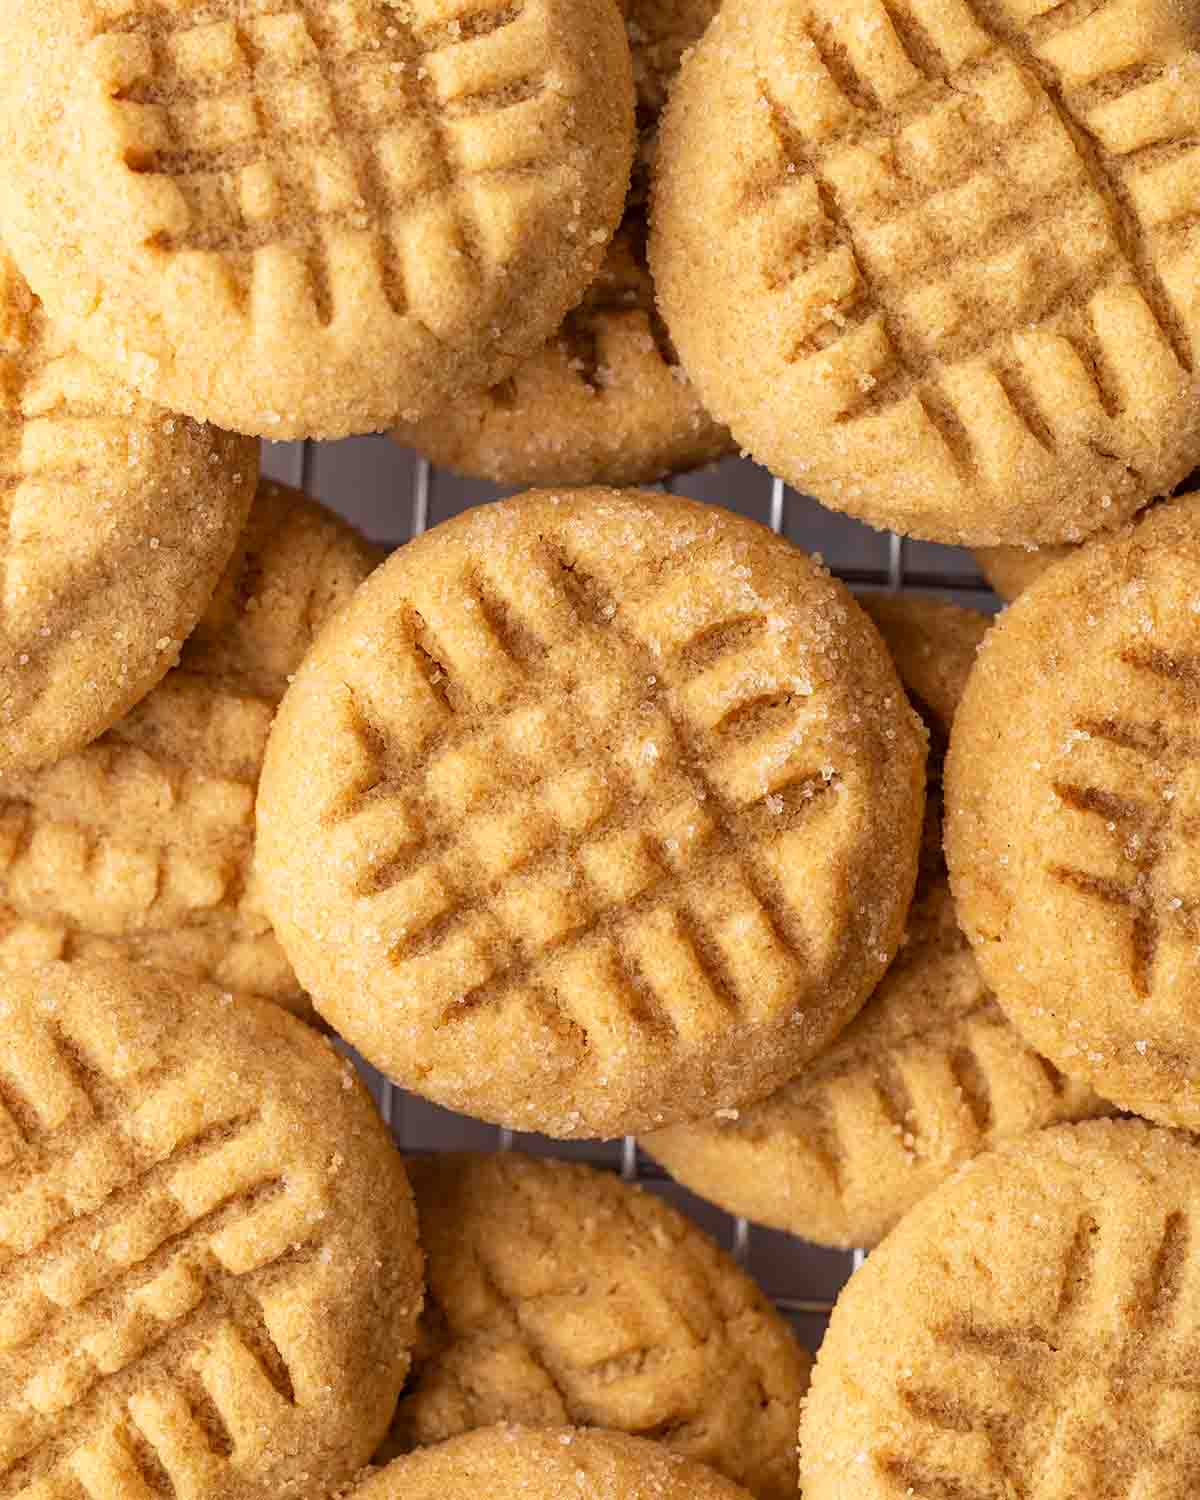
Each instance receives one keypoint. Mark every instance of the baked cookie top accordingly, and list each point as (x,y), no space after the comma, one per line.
(594,810)
(116,519)
(209,1277)
(140,845)
(927,1075)
(936,262)
(564,1463)
(606,401)
(559,1294)
(304,220)
(1071,813)
(1027,1331)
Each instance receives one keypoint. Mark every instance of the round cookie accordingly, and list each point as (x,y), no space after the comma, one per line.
(928,1074)
(935,262)
(1028,1330)
(558,1293)
(1010,570)
(605,401)
(309,220)
(593,811)
(1070,826)
(210,1280)
(140,845)
(565,1463)
(118,519)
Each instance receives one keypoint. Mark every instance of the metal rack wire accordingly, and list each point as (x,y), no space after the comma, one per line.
(773,501)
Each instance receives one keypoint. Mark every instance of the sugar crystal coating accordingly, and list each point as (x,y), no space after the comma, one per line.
(301,219)
(936,261)
(209,1274)
(593,810)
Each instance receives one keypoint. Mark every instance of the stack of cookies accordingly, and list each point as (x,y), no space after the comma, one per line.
(598,812)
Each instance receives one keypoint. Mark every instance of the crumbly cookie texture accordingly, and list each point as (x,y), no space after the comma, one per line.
(563,1463)
(930,1072)
(308,220)
(593,811)
(1071,806)
(558,1294)
(118,518)
(140,845)
(210,1281)
(1028,1330)
(606,401)
(1010,570)
(937,264)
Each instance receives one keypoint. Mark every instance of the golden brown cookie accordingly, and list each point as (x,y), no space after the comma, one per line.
(558,1293)
(606,401)
(937,262)
(593,811)
(209,1280)
(1072,804)
(117,520)
(926,1076)
(139,846)
(1009,570)
(306,220)
(1028,1331)
(565,1463)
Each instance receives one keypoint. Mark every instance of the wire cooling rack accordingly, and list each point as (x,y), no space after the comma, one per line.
(391,494)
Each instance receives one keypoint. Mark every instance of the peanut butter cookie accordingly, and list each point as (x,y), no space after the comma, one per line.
(140,845)
(936,262)
(1071,813)
(306,220)
(593,811)
(117,521)
(606,401)
(210,1277)
(1027,1331)
(558,1293)
(564,1463)
(929,1074)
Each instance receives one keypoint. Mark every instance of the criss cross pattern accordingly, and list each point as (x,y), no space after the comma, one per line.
(1104,1402)
(560,820)
(1144,831)
(307,128)
(978,206)
(141,1217)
